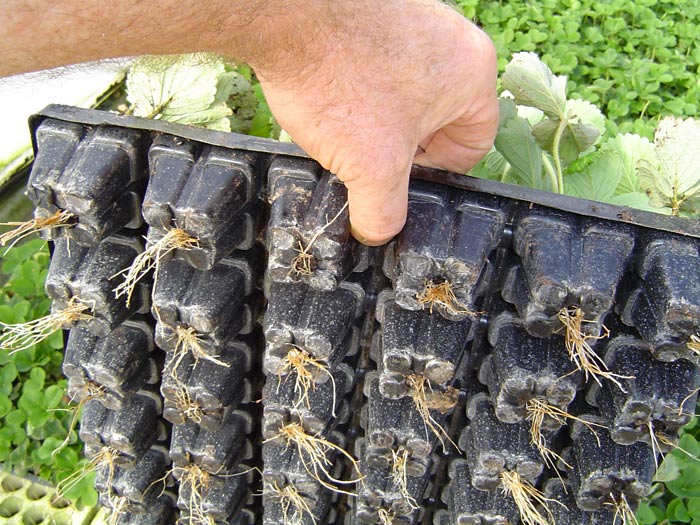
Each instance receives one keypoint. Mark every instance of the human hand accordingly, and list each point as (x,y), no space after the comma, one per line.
(416,82)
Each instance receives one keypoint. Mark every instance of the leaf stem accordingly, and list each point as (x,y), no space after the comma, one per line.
(555,154)
(550,172)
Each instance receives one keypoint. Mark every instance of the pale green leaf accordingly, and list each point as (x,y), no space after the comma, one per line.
(506,110)
(576,137)
(597,181)
(674,177)
(517,145)
(582,111)
(630,149)
(639,201)
(533,84)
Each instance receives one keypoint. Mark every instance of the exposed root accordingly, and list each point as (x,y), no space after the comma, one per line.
(674,446)
(426,400)
(103,459)
(314,451)
(305,262)
(20,336)
(580,350)
(60,219)
(536,410)
(149,259)
(399,459)
(623,511)
(117,511)
(438,292)
(694,344)
(188,342)
(526,498)
(197,481)
(185,404)
(87,392)
(386,517)
(685,400)
(293,504)
(306,368)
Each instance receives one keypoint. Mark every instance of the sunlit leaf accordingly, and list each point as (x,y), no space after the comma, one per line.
(533,84)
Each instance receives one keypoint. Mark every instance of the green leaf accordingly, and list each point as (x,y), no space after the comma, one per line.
(533,84)
(597,181)
(517,145)
(668,470)
(689,444)
(676,511)
(576,137)
(687,485)
(645,516)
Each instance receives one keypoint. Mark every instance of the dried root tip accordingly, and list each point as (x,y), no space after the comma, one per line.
(624,515)
(293,504)
(305,263)
(536,410)
(185,404)
(87,392)
(694,344)
(426,400)
(16,337)
(314,451)
(60,219)
(386,517)
(399,474)
(580,350)
(526,498)
(117,509)
(103,459)
(197,482)
(306,368)
(438,292)
(188,341)
(149,259)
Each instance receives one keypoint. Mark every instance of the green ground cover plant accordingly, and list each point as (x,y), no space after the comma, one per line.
(36,418)
(636,61)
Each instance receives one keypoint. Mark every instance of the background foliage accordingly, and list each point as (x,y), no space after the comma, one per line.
(636,60)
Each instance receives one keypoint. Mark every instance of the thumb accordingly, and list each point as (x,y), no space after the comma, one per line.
(377,199)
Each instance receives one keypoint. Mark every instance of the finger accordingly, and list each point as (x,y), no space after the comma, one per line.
(461,144)
(378,201)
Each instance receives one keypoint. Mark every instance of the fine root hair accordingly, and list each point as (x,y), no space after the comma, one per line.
(149,259)
(306,368)
(386,517)
(196,480)
(425,400)
(305,262)
(60,219)
(87,392)
(694,344)
(439,293)
(536,410)
(117,510)
(294,505)
(527,498)
(314,451)
(580,350)
(399,474)
(188,341)
(624,515)
(104,459)
(185,404)
(20,336)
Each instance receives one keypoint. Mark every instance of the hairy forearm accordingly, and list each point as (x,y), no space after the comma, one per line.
(38,35)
